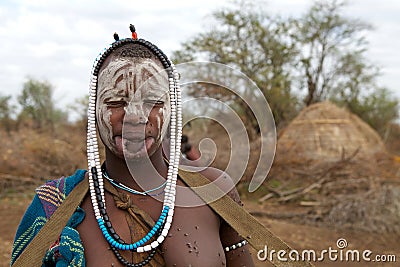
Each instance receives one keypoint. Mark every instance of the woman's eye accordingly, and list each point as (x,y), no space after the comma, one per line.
(154,102)
(116,104)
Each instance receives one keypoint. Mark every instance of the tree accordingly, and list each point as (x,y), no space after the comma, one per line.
(380,109)
(37,104)
(331,52)
(333,65)
(6,109)
(322,52)
(80,107)
(248,40)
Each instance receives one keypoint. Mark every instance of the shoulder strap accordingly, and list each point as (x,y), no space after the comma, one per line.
(36,249)
(238,218)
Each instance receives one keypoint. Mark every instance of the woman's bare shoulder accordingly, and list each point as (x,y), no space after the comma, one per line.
(223,180)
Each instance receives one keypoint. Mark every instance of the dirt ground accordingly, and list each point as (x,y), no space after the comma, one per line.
(299,237)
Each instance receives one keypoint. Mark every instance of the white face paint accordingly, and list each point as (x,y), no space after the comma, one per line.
(133,93)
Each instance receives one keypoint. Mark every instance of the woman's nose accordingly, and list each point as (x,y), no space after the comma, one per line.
(134,114)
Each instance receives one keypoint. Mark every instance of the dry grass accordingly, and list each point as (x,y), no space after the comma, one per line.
(37,154)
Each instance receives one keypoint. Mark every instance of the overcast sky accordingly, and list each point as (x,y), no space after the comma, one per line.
(57,40)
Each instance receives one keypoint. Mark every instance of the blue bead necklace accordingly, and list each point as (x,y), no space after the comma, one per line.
(108,231)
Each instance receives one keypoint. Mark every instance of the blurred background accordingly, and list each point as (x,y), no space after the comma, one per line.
(328,69)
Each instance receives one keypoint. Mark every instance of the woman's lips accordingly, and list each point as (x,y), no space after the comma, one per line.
(133,144)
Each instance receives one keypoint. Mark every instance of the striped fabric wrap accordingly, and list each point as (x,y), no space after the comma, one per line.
(68,249)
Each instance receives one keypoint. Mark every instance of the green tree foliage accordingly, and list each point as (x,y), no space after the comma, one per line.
(254,43)
(80,107)
(321,52)
(333,65)
(379,109)
(36,100)
(331,51)
(6,111)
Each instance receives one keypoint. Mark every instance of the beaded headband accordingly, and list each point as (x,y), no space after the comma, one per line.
(96,185)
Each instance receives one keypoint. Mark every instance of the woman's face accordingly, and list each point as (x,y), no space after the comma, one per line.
(133,107)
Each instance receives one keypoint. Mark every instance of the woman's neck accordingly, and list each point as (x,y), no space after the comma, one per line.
(139,174)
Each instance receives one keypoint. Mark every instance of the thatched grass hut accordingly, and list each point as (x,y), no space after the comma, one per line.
(329,158)
(324,132)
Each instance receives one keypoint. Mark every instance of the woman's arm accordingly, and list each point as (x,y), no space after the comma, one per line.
(240,256)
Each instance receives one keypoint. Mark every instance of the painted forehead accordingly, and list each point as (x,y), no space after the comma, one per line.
(132,64)
(130,74)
